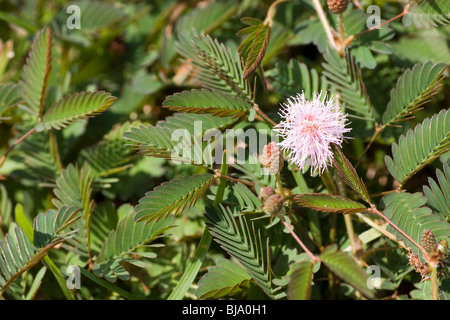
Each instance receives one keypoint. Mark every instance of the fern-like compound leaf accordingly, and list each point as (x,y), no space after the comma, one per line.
(428,13)
(294,77)
(414,88)
(173,196)
(438,192)
(36,72)
(18,253)
(207,101)
(253,48)
(111,154)
(226,278)
(344,77)
(215,66)
(9,97)
(329,203)
(419,147)
(244,243)
(349,174)
(74,107)
(128,238)
(407,211)
(180,138)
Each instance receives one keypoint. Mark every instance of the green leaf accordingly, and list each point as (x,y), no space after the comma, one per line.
(226,278)
(427,14)
(419,147)
(206,19)
(74,107)
(5,208)
(349,174)
(172,197)
(343,265)
(295,77)
(216,67)
(39,152)
(407,211)
(329,203)
(438,192)
(242,242)
(414,88)
(344,77)
(177,138)
(111,154)
(253,48)
(9,97)
(36,72)
(301,281)
(207,101)
(19,253)
(128,237)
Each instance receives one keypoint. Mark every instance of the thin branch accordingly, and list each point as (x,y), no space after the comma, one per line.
(263,115)
(300,242)
(3,158)
(373,209)
(325,23)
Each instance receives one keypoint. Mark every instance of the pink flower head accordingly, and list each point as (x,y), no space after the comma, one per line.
(309,129)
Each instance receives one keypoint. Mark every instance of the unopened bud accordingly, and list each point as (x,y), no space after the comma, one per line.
(428,241)
(337,6)
(265,193)
(273,204)
(272,158)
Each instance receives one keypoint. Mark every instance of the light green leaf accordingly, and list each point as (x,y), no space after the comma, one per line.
(414,88)
(74,107)
(128,237)
(207,101)
(407,211)
(438,192)
(226,278)
(419,147)
(172,197)
(36,72)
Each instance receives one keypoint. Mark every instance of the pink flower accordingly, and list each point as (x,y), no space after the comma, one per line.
(309,129)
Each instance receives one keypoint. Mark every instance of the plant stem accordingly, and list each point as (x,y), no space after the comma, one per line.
(3,158)
(300,242)
(352,37)
(263,115)
(325,23)
(373,209)
(434,283)
(280,184)
(378,129)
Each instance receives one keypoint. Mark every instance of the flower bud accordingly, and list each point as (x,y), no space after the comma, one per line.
(265,193)
(337,6)
(273,204)
(428,240)
(272,158)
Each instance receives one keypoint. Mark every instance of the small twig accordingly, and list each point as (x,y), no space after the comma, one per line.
(325,23)
(300,242)
(263,115)
(219,175)
(373,209)
(378,129)
(3,158)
